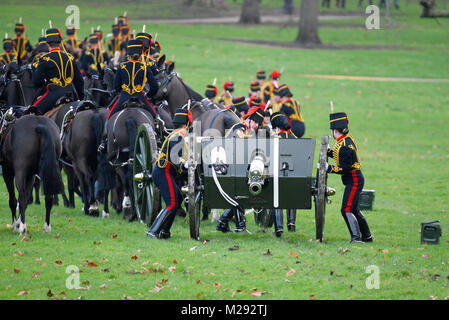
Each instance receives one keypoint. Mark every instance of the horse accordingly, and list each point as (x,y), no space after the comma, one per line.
(121,132)
(99,88)
(80,144)
(18,87)
(31,146)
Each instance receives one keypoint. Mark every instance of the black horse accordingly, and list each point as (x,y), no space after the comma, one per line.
(122,131)
(80,144)
(99,88)
(31,146)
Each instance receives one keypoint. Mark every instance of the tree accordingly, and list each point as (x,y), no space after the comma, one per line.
(308,23)
(250,12)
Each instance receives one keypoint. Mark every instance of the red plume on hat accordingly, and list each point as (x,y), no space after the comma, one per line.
(275,74)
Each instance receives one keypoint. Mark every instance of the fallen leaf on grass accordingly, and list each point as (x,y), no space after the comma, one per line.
(172,269)
(16,270)
(294,254)
(49,293)
(193,248)
(312,297)
(290,273)
(23,292)
(103,286)
(114,236)
(199,281)
(268,253)
(59,261)
(134,257)
(90,264)
(36,275)
(234,248)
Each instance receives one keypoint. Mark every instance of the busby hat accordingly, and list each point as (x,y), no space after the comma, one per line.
(240,104)
(256,102)
(261,75)
(145,38)
(155,47)
(42,45)
(254,86)
(228,85)
(338,120)
(70,30)
(279,120)
(115,29)
(7,44)
(256,114)
(53,35)
(93,39)
(134,47)
(99,34)
(211,91)
(284,91)
(19,28)
(182,116)
(124,28)
(122,20)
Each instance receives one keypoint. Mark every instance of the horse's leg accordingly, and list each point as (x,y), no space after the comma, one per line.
(48,206)
(8,176)
(105,213)
(37,184)
(25,187)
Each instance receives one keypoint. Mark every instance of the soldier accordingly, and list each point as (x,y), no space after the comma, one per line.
(41,49)
(72,44)
(172,160)
(211,92)
(292,110)
(155,50)
(21,44)
(94,59)
(254,89)
(9,54)
(268,89)
(58,72)
(347,164)
(114,43)
(125,37)
(146,42)
(282,129)
(100,36)
(131,78)
(240,105)
(226,97)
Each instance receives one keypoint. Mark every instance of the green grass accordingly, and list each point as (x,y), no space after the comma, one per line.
(401,131)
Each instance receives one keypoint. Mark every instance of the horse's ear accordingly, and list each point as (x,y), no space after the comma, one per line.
(171,67)
(161,61)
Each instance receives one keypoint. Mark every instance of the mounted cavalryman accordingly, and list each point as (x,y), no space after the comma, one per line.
(115,42)
(72,44)
(146,40)
(94,59)
(58,72)
(21,44)
(171,162)
(9,54)
(347,164)
(41,49)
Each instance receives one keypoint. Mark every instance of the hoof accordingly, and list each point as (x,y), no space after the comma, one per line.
(105,214)
(47,227)
(22,228)
(15,225)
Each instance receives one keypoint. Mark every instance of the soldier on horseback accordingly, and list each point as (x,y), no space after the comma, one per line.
(171,161)
(94,59)
(21,44)
(72,44)
(9,54)
(58,73)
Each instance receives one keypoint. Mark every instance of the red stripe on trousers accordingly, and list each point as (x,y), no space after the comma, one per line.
(148,102)
(112,108)
(40,99)
(355,182)
(170,186)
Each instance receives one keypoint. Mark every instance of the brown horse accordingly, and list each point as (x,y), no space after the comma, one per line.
(31,146)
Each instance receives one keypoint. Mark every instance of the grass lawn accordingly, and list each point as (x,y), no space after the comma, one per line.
(401,130)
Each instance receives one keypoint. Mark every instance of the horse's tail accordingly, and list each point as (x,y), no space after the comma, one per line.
(105,172)
(48,163)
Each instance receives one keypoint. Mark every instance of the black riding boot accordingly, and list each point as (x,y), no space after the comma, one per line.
(240,223)
(278,222)
(156,228)
(353,227)
(364,229)
(291,220)
(223,221)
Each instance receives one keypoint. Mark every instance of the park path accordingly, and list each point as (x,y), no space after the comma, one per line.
(383,79)
(235,19)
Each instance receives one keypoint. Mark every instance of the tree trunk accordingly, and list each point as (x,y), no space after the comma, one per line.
(308,23)
(250,12)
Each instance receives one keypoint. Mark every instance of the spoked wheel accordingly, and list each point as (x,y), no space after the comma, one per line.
(320,196)
(195,197)
(147,194)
